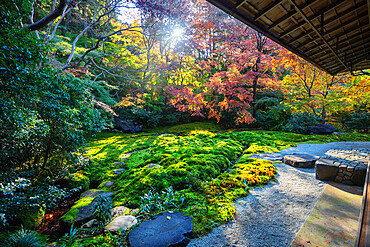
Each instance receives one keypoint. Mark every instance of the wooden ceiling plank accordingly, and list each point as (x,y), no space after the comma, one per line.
(317,32)
(314,17)
(350,51)
(265,10)
(334,38)
(241,3)
(335,18)
(353,56)
(290,14)
(339,45)
(302,45)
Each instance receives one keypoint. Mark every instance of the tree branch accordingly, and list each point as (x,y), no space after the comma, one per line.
(50,17)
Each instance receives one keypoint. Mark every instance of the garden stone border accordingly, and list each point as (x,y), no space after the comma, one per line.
(343,166)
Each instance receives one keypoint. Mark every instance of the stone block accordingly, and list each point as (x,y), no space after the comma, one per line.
(346,173)
(350,168)
(325,169)
(338,179)
(359,175)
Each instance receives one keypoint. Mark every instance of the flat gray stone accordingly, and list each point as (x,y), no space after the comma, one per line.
(121,222)
(119,163)
(326,170)
(94,193)
(167,229)
(153,166)
(268,156)
(301,160)
(108,184)
(86,213)
(119,171)
(89,224)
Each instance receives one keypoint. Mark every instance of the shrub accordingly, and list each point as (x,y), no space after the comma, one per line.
(300,123)
(359,121)
(154,202)
(25,238)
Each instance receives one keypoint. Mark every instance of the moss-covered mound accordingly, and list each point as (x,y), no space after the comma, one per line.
(208,167)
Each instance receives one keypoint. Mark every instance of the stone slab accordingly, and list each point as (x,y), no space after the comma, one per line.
(167,229)
(301,160)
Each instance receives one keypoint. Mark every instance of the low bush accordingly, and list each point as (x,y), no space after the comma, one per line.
(300,123)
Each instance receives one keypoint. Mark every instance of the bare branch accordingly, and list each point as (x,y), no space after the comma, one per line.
(49,18)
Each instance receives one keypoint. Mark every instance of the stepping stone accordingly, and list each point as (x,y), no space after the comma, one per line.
(153,165)
(268,156)
(121,222)
(301,160)
(123,158)
(167,229)
(119,163)
(108,184)
(119,171)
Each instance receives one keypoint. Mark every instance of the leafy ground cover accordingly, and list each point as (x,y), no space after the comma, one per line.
(197,169)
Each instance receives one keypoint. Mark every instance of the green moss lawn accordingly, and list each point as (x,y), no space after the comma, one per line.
(209,168)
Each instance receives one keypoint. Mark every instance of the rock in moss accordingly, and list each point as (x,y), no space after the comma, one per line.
(85,207)
(167,229)
(121,223)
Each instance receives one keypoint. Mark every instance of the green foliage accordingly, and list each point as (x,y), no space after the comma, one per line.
(69,238)
(300,123)
(25,238)
(42,113)
(275,118)
(359,121)
(103,209)
(26,199)
(78,180)
(154,202)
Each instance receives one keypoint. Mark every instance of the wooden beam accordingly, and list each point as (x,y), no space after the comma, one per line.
(335,18)
(317,32)
(333,39)
(290,14)
(339,45)
(350,50)
(240,3)
(334,29)
(350,57)
(266,9)
(314,17)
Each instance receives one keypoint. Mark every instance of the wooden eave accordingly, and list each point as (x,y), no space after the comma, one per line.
(334,35)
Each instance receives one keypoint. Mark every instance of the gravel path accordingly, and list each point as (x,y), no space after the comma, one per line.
(272,215)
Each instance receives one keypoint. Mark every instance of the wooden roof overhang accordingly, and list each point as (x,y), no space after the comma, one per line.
(334,35)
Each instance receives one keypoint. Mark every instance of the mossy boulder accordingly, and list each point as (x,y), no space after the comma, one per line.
(84,208)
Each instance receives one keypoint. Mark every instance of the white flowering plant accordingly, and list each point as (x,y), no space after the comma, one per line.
(20,194)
